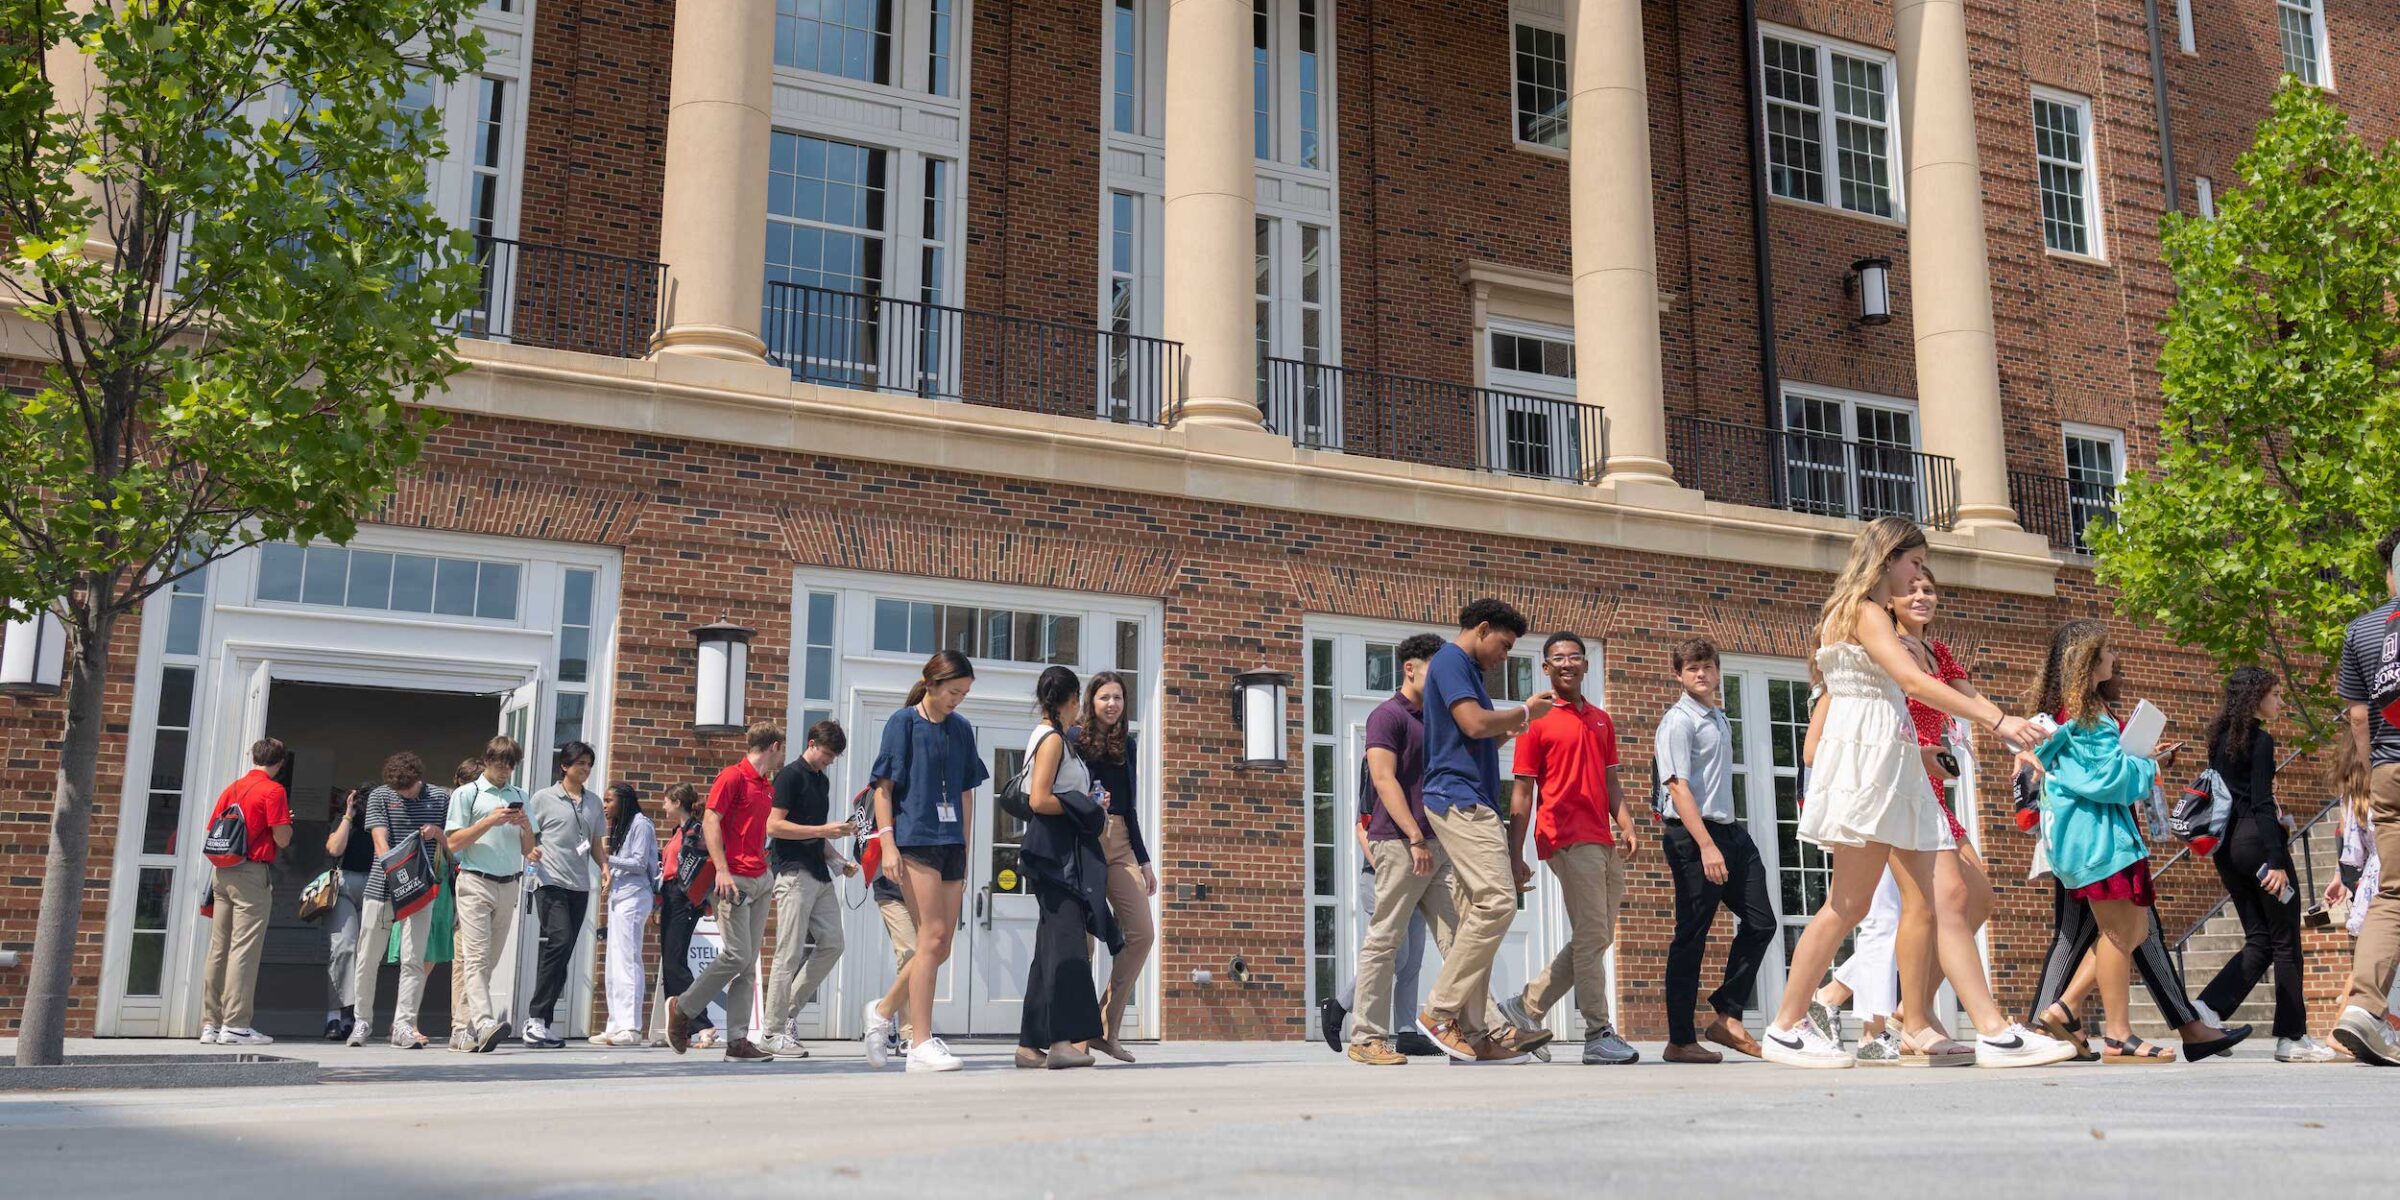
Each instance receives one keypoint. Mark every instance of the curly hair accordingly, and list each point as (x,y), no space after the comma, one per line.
(2235,726)
(2066,681)
(1095,741)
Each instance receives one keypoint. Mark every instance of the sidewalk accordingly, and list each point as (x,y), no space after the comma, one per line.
(1199,1119)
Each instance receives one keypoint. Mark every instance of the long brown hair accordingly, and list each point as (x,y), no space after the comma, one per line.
(1884,539)
(944,666)
(1098,742)
(2066,680)
(2346,776)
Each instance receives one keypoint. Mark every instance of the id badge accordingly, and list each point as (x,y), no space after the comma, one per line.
(948,812)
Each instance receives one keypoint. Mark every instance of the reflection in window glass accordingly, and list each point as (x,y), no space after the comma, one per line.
(496,591)
(412,583)
(146,955)
(326,576)
(454,587)
(279,571)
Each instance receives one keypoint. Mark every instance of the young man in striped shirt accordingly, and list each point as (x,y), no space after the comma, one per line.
(405,810)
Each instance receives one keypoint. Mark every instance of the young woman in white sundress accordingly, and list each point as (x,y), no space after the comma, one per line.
(1869,805)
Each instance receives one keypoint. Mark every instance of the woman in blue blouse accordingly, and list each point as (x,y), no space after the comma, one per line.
(925,772)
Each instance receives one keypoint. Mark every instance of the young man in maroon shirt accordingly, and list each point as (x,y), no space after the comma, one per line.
(1567,763)
(735,831)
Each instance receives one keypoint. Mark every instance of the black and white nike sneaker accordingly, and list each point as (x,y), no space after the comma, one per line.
(1802,1046)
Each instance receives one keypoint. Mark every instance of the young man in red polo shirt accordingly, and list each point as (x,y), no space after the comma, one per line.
(735,831)
(244,891)
(1570,757)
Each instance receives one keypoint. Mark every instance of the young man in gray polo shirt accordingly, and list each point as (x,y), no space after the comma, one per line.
(567,823)
(1712,859)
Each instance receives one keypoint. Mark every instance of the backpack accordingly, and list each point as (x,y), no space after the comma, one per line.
(695,875)
(228,842)
(2199,815)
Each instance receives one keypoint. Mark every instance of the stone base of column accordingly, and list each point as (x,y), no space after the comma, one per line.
(710,341)
(1986,517)
(1639,469)
(1220,412)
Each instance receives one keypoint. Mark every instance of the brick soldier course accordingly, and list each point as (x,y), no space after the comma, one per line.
(1430,182)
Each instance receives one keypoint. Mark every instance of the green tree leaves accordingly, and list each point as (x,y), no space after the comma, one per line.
(2279,455)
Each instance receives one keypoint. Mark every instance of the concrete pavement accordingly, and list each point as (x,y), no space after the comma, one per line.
(1203,1119)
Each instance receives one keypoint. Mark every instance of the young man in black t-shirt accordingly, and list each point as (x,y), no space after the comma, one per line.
(808,915)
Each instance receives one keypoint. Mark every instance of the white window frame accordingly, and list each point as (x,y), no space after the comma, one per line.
(1548,16)
(2114,439)
(1828,146)
(2089,167)
(1851,403)
(2204,195)
(912,43)
(2315,11)
(2183,27)
(1523,381)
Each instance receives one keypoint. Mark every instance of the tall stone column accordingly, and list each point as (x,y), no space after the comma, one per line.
(1949,268)
(1211,211)
(713,219)
(1615,239)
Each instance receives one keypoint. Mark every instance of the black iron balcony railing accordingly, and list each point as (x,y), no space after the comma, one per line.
(1812,473)
(563,298)
(876,343)
(2063,510)
(1407,419)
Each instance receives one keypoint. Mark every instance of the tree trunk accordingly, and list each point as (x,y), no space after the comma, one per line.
(41,1037)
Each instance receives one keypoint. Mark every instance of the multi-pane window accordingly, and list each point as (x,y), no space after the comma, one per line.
(1541,85)
(1532,424)
(2204,195)
(488,157)
(1124,300)
(1850,456)
(2095,467)
(339,577)
(933,224)
(1292,304)
(848,38)
(941,56)
(1004,635)
(172,744)
(1806,874)
(2301,23)
(1829,113)
(826,222)
(577,587)
(1262,79)
(1324,827)
(1308,62)
(1124,66)
(2062,156)
(1524,358)
(816,659)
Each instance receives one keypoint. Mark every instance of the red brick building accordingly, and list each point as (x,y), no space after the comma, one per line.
(959,419)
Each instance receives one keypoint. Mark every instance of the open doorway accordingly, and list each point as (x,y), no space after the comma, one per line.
(339,737)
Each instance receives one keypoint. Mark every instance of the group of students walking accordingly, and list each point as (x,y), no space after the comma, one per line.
(1889,722)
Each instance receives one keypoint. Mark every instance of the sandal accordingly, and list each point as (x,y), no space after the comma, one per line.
(1929,1048)
(2134,1051)
(2061,1024)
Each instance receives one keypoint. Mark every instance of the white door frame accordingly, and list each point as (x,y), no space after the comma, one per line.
(860,673)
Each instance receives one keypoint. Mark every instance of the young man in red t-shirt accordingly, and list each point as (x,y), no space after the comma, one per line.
(1570,757)
(244,891)
(735,830)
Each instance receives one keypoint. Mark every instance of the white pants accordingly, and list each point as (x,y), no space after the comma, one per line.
(1872,973)
(628,914)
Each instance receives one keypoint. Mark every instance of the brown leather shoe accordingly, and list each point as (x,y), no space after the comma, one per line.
(679,1027)
(740,1050)
(1376,1054)
(1493,1049)
(1732,1036)
(1521,1041)
(1455,1042)
(1692,1053)
(1110,1047)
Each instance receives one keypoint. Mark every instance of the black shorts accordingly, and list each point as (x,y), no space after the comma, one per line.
(950,860)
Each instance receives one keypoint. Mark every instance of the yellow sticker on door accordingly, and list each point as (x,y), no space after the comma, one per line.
(1007,880)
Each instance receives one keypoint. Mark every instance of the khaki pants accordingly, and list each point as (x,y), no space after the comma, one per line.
(806,910)
(238,935)
(486,913)
(1130,901)
(742,922)
(415,932)
(1591,882)
(2378,949)
(902,931)
(1484,891)
(1399,894)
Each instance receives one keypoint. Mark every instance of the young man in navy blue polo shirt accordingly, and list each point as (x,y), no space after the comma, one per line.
(1462,801)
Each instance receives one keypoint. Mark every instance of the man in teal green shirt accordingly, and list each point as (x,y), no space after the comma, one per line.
(492,840)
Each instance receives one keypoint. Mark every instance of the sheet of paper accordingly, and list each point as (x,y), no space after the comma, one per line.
(2142,729)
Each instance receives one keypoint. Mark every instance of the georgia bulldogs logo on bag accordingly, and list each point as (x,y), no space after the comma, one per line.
(228,842)
(2384,695)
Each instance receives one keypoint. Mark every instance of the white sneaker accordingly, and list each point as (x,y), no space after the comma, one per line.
(2017,1046)
(878,1037)
(358,1034)
(243,1037)
(2303,1049)
(2367,1038)
(1802,1046)
(932,1055)
(625,1038)
(208,1035)
(784,1045)
(405,1036)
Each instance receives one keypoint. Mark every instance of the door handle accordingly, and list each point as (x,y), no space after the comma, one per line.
(983,905)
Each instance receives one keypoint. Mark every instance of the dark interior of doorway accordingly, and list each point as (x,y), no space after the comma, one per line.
(339,737)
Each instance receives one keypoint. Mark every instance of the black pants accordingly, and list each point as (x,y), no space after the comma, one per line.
(1696,902)
(2271,936)
(2073,931)
(1061,1005)
(677,917)
(560,911)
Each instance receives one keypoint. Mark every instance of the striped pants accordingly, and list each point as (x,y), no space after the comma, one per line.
(2076,931)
